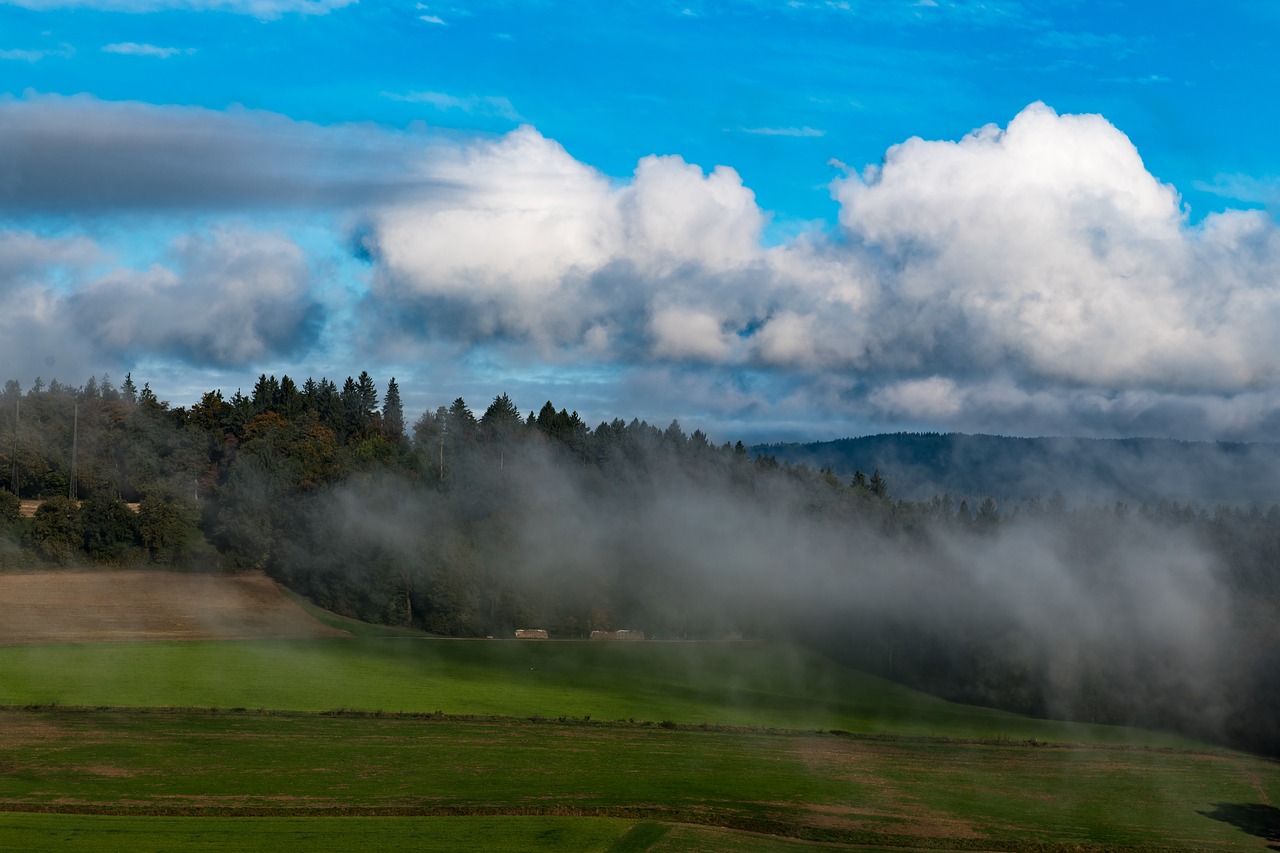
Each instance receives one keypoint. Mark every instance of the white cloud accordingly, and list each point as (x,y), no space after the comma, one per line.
(265,9)
(432,19)
(35,55)
(539,245)
(489,105)
(684,334)
(129,48)
(805,131)
(1049,247)
(1246,188)
(1035,274)
(1043,253)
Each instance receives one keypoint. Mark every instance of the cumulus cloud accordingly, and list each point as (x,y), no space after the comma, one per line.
(234,297)
(230,297)
(1060,258)
(1035,271)
(265,9)
(543,247)
(52,151)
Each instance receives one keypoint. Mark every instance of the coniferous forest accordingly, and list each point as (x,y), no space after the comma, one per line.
(474,523)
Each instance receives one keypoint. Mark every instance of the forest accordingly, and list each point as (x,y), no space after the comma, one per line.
(1161,613)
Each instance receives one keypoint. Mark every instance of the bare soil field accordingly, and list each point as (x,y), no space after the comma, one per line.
(105,606)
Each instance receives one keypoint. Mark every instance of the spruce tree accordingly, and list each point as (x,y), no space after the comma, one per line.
(393,412)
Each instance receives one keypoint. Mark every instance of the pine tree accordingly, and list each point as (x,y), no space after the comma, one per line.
(501,419)
(368,396)
(461,423)
(129,391)
(393,413)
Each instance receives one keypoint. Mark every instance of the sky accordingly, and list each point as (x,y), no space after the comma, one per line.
(770,220)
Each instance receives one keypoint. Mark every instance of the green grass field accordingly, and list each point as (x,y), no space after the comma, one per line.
(817,787)
(571,746)
(731,684)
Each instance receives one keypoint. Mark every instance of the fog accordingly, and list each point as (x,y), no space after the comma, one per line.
(1079,613)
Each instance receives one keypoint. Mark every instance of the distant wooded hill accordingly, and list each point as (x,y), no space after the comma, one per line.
(920,465)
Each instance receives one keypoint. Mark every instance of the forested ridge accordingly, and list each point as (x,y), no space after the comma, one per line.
(1161,613)
(1099,470)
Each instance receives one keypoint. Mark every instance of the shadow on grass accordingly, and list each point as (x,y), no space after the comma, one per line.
(639,838)
(1253,818)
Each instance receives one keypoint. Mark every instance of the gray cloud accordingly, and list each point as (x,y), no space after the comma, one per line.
(237,297)
(25,256)
(230,298)
(77,155)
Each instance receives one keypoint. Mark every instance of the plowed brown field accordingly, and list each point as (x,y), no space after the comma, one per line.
(86,607)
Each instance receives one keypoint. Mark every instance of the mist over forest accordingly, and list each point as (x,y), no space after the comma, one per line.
(1151,608)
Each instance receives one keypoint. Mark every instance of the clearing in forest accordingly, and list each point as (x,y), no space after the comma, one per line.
(103,606)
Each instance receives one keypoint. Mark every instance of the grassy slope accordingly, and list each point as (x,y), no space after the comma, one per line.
(720,684)
(900,790)
(816,786)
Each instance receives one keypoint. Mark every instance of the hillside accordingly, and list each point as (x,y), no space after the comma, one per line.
(97,606)
(921,465)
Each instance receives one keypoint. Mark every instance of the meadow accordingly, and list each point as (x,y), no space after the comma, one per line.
(814,786)
(725,684)
(392,740)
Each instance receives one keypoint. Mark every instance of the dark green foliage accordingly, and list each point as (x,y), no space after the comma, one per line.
(393,413)
(501,421)
(56,530)
(9,508)
(167,523)
(111,529)
(1135,470)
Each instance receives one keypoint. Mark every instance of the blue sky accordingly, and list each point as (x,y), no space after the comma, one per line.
(658,209)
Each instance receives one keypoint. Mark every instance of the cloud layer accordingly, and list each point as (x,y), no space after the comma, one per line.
(1031,278)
